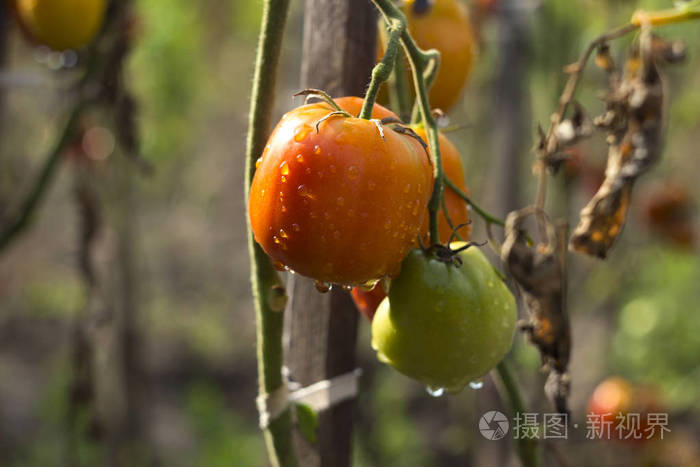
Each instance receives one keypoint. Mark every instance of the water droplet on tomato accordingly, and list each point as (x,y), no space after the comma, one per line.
(283,234)
(303,191)
(353,172)
(283,208)
(276,239)
(279,265)
(295,227)
(435,392)
(308,171)
(317,150)
(340,201)
(283,179)
(347,288)
(407,188)
(258,162)
(301,133)
(284,168)
(300,158)
(476,384)
(322,287)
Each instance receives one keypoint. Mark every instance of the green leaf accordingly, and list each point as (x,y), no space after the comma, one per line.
(308,421)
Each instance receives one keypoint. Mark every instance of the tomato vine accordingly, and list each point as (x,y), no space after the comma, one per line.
(268,290)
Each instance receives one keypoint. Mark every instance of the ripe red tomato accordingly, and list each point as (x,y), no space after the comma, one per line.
(340,205)
(445,27)
(367,301)
(616,401)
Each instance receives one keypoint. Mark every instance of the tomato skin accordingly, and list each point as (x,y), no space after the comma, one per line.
(445,325)
(456,206)
(61,24)
(341,205)
(445,27)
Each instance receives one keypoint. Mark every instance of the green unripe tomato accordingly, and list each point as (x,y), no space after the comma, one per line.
(443,324)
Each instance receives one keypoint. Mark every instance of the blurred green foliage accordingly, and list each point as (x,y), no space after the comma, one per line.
(658,339)
(221,438)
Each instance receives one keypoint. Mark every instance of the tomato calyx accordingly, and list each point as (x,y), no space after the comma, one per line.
(408,131)
(395,123)
(334,114)
(319,93)
(445,253)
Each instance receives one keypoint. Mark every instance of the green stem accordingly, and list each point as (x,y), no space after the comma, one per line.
(382,70)
(401,91)
(527,448)
(265,282)
(489,218)
(423,66)
(26,213)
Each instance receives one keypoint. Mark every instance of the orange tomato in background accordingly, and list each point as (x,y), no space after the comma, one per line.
(341,205)
(447,28)
(61,24)
(367,301)
(456,206)
(616,397)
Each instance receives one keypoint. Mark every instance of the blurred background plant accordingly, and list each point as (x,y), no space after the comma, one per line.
(190,68)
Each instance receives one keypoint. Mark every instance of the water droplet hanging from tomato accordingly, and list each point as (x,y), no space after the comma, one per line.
(476,384)
(435,392)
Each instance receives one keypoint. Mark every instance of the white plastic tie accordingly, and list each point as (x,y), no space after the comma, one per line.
(329,392)
(319,396)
